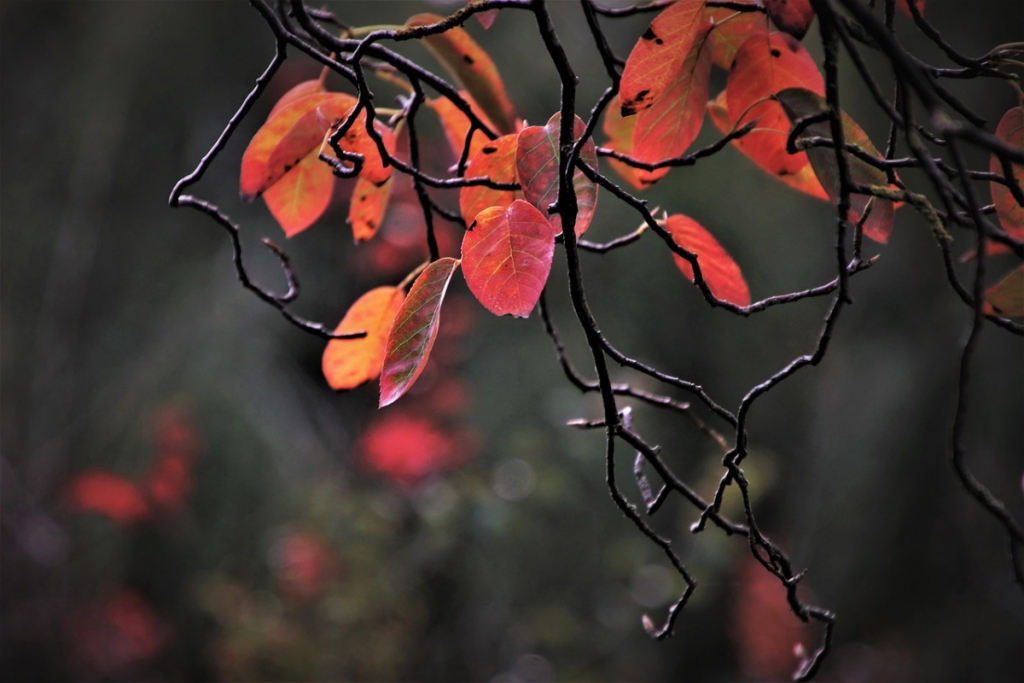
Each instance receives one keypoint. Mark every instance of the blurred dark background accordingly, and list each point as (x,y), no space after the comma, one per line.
(184,498)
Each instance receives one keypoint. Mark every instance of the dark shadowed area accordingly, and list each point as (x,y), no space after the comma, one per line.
(185,498)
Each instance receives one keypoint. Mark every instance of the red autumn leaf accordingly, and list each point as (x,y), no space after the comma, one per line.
(1006,297)
(1011,214)
(301,195)
(347,363)
(506,258)
(764,65)
(414,330)
(537,169)
(792,16)
(620,129)
(721,273)
(904,6)
(288,136)
(658,53)
(669,126)
(105,493)
(367,208)
(456,124)
(803,180)
(799,103)
(495,160)
(297,92)
(472,68)
(731,29)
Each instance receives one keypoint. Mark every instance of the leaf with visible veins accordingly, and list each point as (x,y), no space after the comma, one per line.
(302,195)
(415,328)
(506,258)
(497,161)
(658,53)
(367,208)
(537,169)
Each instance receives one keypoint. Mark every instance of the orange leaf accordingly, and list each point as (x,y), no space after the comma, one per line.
(731,29)
(367,208)
(764,65)
(658,54)
(904,6)
(495,160)
(288,136)
(506,258)
(1006,297)
(456,124)
(1011,214)
(357,139)
(668,127)
(108,494)
(792,16)
(302,195)
(803,180)
(347,363)
(537,168)
(472,68)
(299,91)
(415,328)
(620,129)
(721,273)
(799,103)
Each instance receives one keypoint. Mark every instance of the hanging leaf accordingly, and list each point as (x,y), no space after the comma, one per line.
(506,258)
(347,363)
(668,127)
(1006,297)
(302,194)
(904,6)
(764,65)
(720,272)
(658,53)
(487,17)
(495,160)
(803,180)
(456,124)
(290,126)
(620,129)
(1011,214)
(537,169)
(367,208)
(731,29)
(799,103)
(415,327)
(792,16)
(472,68)
(357,139)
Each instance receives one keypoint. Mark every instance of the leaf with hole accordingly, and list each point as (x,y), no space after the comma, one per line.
(537,169)
(720,272)
(803,180)
(347,363)
(496,161)
(620,129)
(764,65)
(1006,297)
(668,127)
(800,103)
(456,124)
(506,258)
(472,68)
(792,16)
(1011,214)
(414,330)
(302,195)
(658,53)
